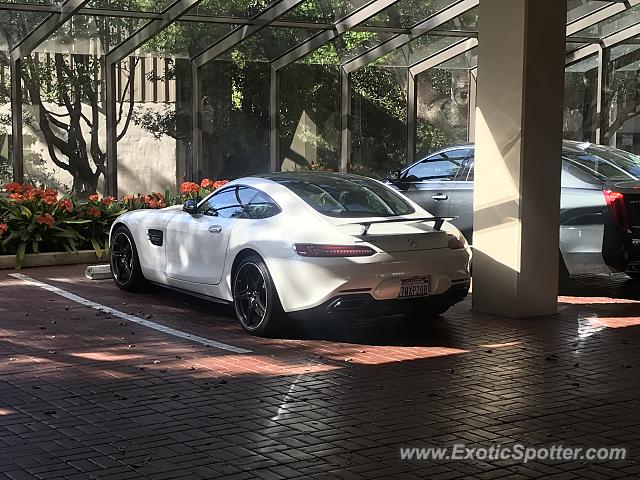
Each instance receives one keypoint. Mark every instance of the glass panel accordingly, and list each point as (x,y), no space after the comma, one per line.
(310,117)
(130,5)
(235,118)
(6,170)
(579,8)
(406,13)
(442,99)
(14,26)
(379,99)
(154,96)
(231,8)
(621,105)
(612,25)
(319,11)
(90,35)
(580,100)
(418,50)
(185,39)
(64,144)
(269,43)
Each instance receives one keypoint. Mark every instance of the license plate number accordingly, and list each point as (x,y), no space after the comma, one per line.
(415,287)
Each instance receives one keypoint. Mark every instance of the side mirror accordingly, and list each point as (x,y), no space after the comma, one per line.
(393,176)
(190,206)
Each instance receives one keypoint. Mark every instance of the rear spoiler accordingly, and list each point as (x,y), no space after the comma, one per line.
(439,221)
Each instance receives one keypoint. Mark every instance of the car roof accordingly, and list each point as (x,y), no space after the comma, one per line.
(565,144)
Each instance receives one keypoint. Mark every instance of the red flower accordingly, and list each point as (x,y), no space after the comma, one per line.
(108,200)
(220,183)
(16,196)
(3,228)
(94,197)
(45,219)
(66,205)
(128,198)
(13,187)
(93,212)
(189,187)
(207,183)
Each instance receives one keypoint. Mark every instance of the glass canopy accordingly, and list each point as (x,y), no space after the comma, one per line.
(287,83)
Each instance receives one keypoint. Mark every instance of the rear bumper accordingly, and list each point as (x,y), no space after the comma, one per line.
(305,283)
(356,305)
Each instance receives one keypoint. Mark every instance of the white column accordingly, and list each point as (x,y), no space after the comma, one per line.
(518,156)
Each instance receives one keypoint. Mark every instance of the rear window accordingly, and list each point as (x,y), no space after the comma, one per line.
(346,196)
(604,163)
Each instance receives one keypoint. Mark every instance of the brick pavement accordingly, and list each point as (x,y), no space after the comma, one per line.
(86,395)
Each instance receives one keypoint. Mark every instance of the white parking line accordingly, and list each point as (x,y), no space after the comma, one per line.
(125,316)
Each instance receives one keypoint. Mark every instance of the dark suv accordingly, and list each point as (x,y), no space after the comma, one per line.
(600,202)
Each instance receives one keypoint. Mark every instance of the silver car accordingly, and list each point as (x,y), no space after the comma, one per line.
(600,202)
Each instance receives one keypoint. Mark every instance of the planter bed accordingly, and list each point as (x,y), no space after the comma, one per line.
(52,258)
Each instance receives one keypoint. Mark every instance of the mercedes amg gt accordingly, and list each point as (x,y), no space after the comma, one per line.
(297,245)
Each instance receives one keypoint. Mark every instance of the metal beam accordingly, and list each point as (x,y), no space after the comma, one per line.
(603,87)
(274,120)
(412,116)
(442,56)
(416,31)
(599,15)
(197,152)
(49,25)
(361,15)
(624,35)
(111,121)
(16,120)
(238,34)
(169,15)
(345,120)
(473,90)
(192,18)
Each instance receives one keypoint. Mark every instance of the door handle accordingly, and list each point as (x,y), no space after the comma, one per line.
(440,196)
(215,229)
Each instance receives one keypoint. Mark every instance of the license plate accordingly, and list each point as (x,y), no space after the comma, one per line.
(415,287)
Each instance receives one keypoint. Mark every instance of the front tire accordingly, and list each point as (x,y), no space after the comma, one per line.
(254,297)
(124,261)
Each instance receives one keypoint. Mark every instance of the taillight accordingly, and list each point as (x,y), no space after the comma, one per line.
(313,250)
(615,202)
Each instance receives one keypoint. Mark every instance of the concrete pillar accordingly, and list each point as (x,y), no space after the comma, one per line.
(518,156)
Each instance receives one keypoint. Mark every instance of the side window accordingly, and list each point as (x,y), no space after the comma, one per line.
(262,206)
(223,204)
(240,202)
(443,167)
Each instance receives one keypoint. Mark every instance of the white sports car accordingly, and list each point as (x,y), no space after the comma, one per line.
(297,244)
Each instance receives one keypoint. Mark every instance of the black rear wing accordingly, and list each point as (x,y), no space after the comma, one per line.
(438,222)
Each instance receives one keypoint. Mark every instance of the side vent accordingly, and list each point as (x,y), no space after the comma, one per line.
(155,237)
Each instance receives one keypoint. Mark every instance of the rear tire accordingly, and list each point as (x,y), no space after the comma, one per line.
(124,261)
(255,298)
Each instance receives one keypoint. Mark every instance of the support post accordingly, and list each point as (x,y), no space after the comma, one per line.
(345,120)
(601,99)
(518,157)
(196,115)
(274,119)
(111,118)
(412,116)
(16,120)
